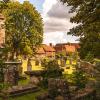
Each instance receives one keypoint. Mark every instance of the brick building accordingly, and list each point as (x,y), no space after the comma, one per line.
(67,48)
(2,30)
(46,51)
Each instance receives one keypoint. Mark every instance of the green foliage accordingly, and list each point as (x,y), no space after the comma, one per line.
(88,27)
(97,76)
(79,78)
(52,71)
(89,57)
(90,44)
(2,6)
(61,55)
(52,68)
(74,56)
(2,67)
(1,71)
(24,27)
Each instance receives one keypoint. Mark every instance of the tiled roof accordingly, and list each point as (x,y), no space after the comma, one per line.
(44,49)
(70,48)
(77,46)
(40,50)
(48,48)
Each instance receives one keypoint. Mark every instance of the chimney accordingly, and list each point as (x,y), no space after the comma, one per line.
(51,44)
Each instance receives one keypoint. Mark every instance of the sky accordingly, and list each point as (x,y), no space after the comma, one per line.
(56,21)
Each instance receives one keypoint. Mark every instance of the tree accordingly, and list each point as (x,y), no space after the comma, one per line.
(88,28)
(52,68)
(24,28)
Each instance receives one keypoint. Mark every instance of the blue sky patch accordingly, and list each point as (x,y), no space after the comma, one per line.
(37,3)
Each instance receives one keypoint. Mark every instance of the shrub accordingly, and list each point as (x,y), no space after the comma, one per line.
(79,78)
(52,70)
(97,76)
(89,57)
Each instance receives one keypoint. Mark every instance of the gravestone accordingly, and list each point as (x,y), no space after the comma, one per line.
(29,65)
(34,80)
(87,68)
(11,72)
(58,87)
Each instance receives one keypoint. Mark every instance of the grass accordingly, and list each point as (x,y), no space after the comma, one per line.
(23,82)
(71,67)
(30,96)
(70,70)
(39,67)
(34,67)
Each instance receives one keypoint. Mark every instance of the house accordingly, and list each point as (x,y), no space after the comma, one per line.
(77,46)
(40,52)
(70,49)
(49,50)
(66,48)
(46,51)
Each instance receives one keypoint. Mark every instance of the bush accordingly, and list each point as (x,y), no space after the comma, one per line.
(89,57)
(79,78)
(52,70)
(97,76)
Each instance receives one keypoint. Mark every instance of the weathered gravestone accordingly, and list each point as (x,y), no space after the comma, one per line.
(58,87)
(11,72)
(35,76)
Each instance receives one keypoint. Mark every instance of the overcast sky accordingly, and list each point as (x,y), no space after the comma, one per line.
(56,21)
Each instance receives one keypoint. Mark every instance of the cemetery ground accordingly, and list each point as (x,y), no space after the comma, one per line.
(30,96)
(68,69)
(66,76)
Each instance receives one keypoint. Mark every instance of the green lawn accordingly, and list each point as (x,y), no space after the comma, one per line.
(39,67)
(30,96)
(34,67)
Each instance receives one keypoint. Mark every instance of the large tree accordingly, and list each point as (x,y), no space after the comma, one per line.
(24,27)
(88,28)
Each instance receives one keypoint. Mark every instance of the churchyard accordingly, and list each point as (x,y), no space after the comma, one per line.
(31,70)
(40,88)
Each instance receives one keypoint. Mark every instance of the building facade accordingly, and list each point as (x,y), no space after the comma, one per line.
(2,30)
(65,48)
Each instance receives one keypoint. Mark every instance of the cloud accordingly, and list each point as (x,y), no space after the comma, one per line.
(56,22)
(56,16)
(59,10)
(57,37)
(47,5)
